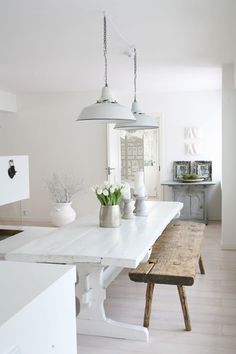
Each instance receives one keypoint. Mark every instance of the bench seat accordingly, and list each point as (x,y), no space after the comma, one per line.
(175,257)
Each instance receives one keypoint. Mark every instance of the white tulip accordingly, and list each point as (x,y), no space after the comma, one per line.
(105,192)
(99,191)
(112,190)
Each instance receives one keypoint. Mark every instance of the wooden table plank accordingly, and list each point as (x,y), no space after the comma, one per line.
(84,241)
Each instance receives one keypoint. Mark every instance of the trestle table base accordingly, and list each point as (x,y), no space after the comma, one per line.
(92,320)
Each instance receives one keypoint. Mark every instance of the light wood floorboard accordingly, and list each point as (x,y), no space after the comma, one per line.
(211,301)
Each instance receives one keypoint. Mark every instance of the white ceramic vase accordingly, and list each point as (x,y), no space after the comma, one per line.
(62,214)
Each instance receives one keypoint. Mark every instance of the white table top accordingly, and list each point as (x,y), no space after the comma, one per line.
(18,285)
(84,241)
(28,234)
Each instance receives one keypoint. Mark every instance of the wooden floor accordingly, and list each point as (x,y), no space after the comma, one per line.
(212,306)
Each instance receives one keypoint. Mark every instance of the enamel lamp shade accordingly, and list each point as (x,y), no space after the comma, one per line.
(106,109)
(142,121)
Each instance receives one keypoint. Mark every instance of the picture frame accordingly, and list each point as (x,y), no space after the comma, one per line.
(203,169)
(181,168)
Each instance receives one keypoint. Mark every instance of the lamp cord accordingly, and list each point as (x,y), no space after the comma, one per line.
(135,74)
(105,46)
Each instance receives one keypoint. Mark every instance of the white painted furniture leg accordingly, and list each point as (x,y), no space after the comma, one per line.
(92,319)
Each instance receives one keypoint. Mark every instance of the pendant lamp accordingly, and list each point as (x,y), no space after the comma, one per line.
(106,109)
(143,121)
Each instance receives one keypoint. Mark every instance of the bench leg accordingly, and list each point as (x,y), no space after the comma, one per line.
(184,305)
(201,266)
(148,305)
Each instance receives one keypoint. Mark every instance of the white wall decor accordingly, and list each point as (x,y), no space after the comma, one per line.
(192,135)
(191,132)
(192,148)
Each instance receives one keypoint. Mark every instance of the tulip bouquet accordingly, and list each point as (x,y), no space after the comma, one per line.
(109,194)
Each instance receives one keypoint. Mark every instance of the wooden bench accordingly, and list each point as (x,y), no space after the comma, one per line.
(174,260)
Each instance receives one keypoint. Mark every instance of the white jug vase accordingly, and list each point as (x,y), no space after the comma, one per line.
(62,214)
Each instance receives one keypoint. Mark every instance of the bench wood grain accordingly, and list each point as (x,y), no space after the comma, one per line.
(174,260)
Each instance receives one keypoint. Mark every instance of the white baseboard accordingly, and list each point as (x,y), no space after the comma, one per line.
(229,247)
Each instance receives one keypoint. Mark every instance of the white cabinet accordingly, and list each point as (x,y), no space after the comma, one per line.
(37,308)
(14,187)
(194,201)
(194,198)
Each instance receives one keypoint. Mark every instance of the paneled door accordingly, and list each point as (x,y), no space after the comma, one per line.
(129,152)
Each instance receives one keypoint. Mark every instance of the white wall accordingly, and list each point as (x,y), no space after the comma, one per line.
(228,154)
(45,129)
(7,102)
(189,109)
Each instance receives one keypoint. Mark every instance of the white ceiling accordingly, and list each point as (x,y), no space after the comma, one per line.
(56,45)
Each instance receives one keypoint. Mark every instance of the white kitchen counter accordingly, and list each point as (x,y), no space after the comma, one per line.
(37,308)
(29,233)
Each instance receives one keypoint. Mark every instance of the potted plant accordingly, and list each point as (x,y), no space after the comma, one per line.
(109,195)
(62,190)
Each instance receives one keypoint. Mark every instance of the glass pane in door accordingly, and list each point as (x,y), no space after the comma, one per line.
(139,152)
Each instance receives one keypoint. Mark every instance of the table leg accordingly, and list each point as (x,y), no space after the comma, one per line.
(92,319)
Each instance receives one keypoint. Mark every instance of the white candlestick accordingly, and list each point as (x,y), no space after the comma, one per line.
(128,209)
(139,181)
(139,187)
(141,192)
(126,192)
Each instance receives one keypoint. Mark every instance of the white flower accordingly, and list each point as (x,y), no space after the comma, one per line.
(112,190)
(99,191)
(63,188)
(106,184)
(105,192)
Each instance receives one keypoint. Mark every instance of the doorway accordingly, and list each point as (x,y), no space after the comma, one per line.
(134,151)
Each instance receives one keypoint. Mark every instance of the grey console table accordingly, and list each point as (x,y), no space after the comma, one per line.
(193,196)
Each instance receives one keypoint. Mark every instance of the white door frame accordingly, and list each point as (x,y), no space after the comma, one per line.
(113,154)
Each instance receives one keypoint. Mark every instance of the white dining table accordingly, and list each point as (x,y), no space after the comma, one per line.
(99,255)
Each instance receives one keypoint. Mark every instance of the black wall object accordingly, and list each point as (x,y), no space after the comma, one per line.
(11,170)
